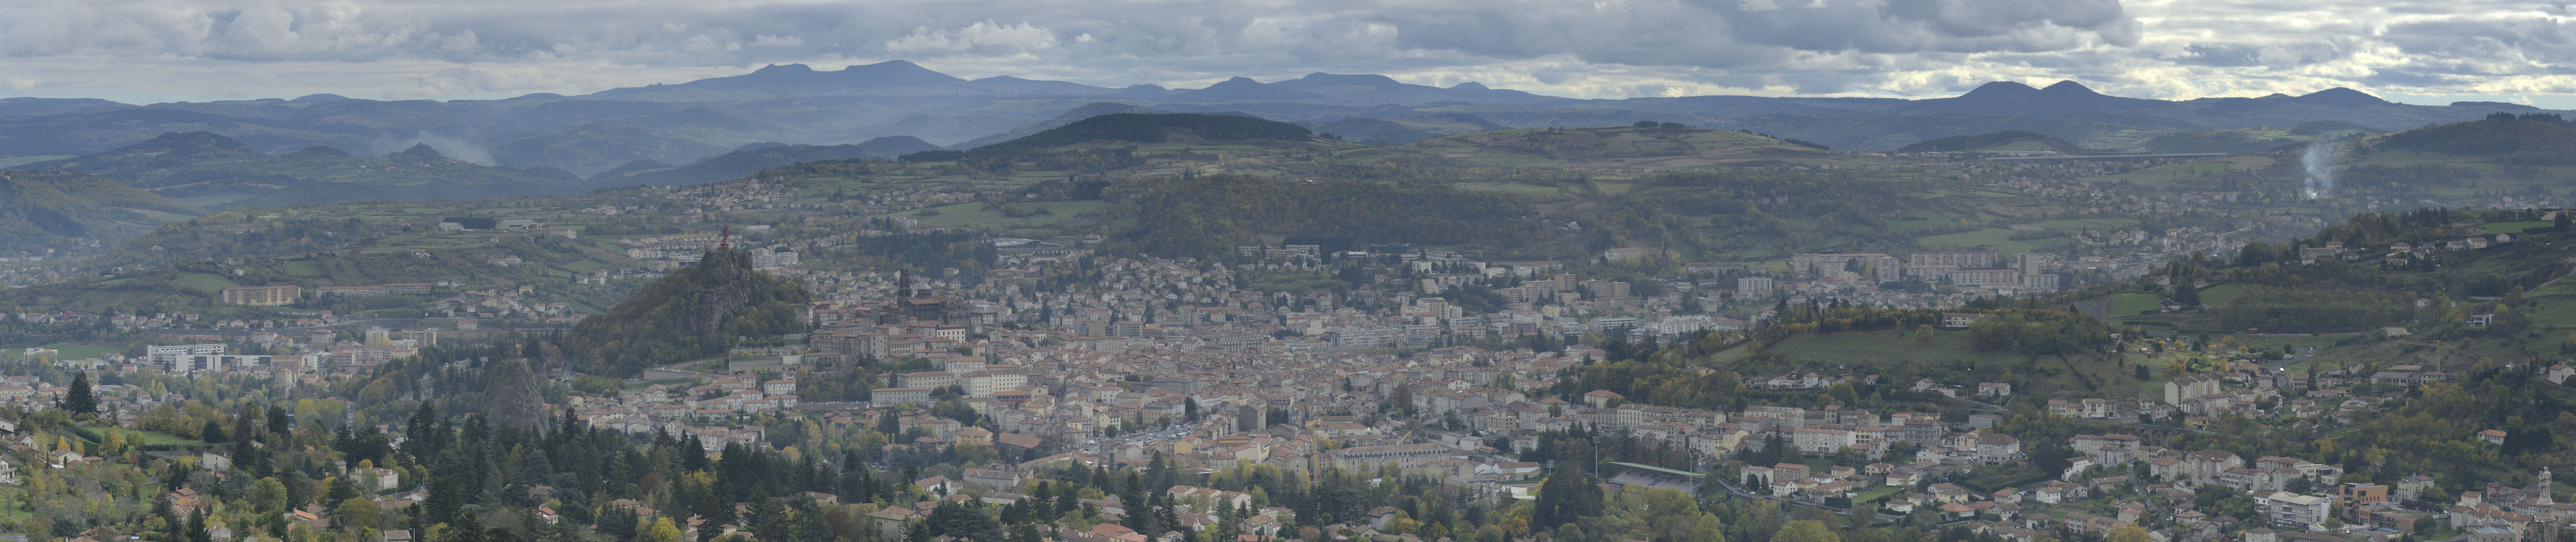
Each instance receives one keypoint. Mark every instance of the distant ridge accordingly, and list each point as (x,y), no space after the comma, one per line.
(1069,117)
(752,158)
(1981,142)
(2000,89)
(2070,89)
(207,164)
(1243,88)
(1150,128)
(419,152)
(2341,97)
(679,122)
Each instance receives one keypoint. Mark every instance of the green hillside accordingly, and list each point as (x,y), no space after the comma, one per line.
(1149,128)
(2528,140)
(1619,147)
(2342,307)
(2005,141)
(212,170)
(46,208)
(2456,310)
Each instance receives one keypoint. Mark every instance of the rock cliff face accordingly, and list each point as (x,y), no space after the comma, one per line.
(695,312)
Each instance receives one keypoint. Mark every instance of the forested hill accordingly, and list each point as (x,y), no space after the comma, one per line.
(2009,140)
(1150,128)
(215,170)
(697,311)
(2532,139)
(2383,280)
(42,208)
(753,158)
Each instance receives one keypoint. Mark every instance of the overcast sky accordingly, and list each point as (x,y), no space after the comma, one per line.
(2405,50)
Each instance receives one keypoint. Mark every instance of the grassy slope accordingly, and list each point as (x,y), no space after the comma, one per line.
(1616,147)
(1861,349)
(82,351)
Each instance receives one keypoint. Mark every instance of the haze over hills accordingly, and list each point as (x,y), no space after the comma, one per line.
(42,209)
(754,157)
(796,104)
(213,169)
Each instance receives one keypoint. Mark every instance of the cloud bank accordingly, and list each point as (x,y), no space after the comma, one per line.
(168,49)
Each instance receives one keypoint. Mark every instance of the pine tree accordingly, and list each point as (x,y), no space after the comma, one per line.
(768,519)
(79,399)
(710,529)
(341,490)
(197,526)
(810,525)
(423,436)
(1565,497)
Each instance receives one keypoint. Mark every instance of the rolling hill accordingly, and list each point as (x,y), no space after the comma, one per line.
(1617,147)
(1401,130)
(685,121)
(42,209)
(753,158)
(2530,153)
(1149,128)
(211,169)
(1069,117)
(2005,141)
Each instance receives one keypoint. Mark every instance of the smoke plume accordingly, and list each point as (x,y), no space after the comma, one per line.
(2319,162)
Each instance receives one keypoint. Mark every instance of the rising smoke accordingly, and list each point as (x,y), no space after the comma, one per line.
(2319,162)
(447,145)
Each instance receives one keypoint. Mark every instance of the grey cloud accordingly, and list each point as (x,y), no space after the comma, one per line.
(1652,32)
(1605,48)
(2277,55)
(2509,42)
(2401,77)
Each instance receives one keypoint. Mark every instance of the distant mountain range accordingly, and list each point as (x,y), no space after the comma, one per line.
(680,123)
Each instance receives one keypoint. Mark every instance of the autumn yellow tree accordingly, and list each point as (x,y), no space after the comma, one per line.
(2128,532)
(1515,522)
(1806,530)
(663,531)
(355,514)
